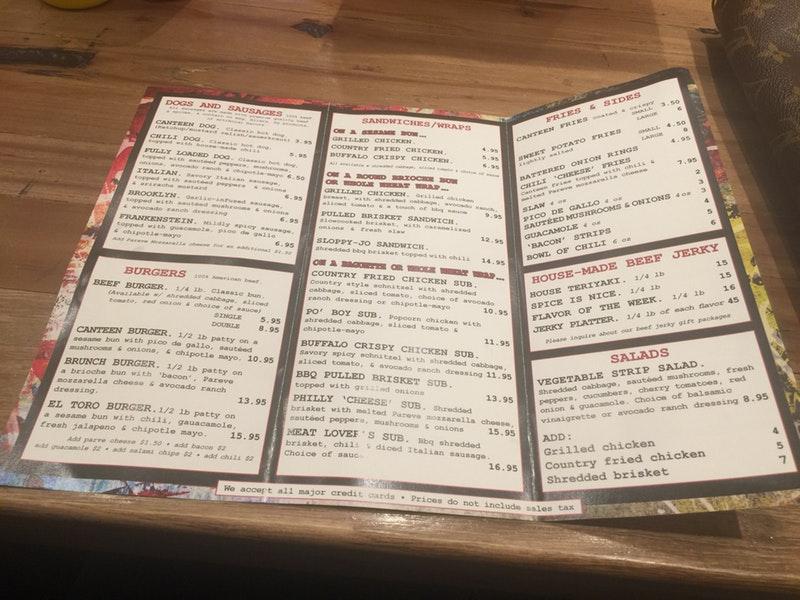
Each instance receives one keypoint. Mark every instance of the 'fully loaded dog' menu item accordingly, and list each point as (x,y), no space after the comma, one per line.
(552,315)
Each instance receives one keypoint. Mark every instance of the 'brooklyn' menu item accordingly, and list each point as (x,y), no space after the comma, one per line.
(553,315)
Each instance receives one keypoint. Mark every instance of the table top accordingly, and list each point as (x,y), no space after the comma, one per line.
(67,100)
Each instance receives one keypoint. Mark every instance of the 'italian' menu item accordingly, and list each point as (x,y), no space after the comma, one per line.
(552,315)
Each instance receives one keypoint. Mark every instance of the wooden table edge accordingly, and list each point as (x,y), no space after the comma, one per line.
(338,531)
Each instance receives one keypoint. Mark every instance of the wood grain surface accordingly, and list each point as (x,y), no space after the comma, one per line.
(69,83)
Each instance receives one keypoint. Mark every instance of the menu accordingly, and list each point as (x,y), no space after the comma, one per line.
(555,315)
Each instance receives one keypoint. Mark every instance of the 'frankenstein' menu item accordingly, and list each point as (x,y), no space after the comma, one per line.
(553,315)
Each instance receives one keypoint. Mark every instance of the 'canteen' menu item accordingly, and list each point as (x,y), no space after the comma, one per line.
(553,315)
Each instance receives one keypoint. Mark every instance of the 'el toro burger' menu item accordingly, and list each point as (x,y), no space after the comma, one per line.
(553,315)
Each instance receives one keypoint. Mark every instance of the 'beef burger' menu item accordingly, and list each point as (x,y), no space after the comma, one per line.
(553,315)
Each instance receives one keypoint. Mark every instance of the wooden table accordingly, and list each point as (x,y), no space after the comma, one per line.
(65,107)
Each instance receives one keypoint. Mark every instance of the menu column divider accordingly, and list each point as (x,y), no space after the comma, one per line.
(530,459)
(294,314)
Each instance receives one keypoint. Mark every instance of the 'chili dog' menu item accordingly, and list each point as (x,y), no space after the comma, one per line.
(553,315)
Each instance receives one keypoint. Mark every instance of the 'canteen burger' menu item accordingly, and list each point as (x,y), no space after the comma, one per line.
(552,315)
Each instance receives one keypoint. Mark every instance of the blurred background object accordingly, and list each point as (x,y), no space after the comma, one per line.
(75,4)
(762,42)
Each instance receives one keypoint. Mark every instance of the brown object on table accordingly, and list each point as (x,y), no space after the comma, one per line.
(762,41)
(70,84)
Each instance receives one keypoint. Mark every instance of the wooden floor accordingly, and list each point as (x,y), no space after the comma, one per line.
(69,83)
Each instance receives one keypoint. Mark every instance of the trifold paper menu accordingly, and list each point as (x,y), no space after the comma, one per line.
(552,315)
